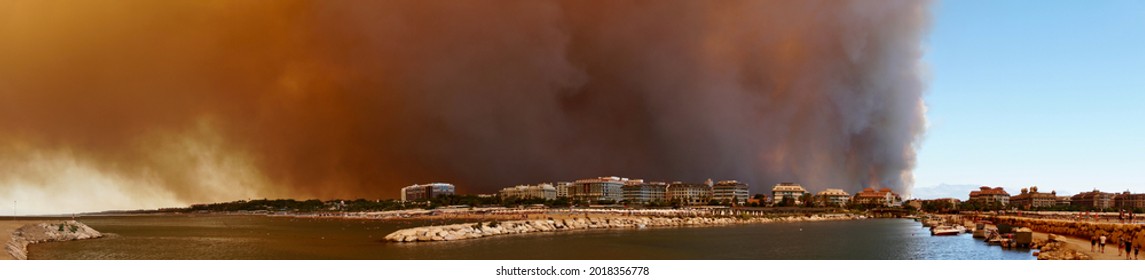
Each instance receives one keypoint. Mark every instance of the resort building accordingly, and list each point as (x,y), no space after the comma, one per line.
(689,194)
(542,191)
(883,197)
(833,198)
(987,195)
(1063,200)
(640,192)
(1093,200)
(788,191)
(426,191)
(1032,199)
(563,189)
(1127,200)
(730,191)
(598,189)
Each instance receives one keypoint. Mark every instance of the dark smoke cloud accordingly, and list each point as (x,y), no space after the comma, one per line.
(194,101)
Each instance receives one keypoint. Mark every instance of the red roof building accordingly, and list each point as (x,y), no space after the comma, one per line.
(990,195)
(1030,198)
(882,197)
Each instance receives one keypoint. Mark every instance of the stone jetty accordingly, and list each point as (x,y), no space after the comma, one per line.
(17,246)
(483,229)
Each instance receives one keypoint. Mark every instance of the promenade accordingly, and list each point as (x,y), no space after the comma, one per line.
(1077,232)
(1082,246)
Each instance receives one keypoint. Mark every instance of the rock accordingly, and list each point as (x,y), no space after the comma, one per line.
(17,246)
(467,230)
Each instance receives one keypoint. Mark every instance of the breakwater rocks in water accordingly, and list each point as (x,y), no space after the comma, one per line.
(47,232)
(478,230)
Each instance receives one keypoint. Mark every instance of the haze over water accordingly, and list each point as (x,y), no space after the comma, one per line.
(256,237)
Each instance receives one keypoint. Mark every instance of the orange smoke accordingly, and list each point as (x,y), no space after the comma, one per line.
(154,103)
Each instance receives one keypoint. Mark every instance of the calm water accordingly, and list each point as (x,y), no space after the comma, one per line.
(254,237)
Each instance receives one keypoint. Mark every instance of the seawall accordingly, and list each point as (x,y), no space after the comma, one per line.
(478,230)
(1079,229)
(17,245)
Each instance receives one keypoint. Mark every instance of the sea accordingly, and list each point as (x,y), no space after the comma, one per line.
(223,237)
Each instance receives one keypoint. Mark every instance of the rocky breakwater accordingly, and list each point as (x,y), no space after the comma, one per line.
(17,246)
(1054,248)
(482,229)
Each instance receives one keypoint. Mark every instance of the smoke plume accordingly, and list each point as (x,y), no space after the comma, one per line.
(128,104)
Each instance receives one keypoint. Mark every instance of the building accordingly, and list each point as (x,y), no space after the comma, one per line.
(833,198)
(730,191)
(883,197)
(689,194)
(1093,200)
(426,191)
(563,189)
(609,189)
(641,192)
(542,191)
(1127,200)
(987,195)
(1063,200)
(1032,199)
(787,191)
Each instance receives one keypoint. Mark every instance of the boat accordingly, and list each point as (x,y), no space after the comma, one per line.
(947,230)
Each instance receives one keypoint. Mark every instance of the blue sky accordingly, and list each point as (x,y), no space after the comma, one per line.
(1045,93)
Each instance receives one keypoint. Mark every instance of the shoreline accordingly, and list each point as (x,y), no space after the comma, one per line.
(20,234)
(1070,235)
(1076,233)
(463,231)
(7,227)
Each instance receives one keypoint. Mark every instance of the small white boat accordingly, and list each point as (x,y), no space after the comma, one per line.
(947,230)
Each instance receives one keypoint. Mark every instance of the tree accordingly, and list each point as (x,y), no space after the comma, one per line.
(908,207)
(787,201)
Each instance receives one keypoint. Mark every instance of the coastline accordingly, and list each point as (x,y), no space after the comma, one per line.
(19,234)
(464,231)
(7,227)
(229,236)
(1076,233)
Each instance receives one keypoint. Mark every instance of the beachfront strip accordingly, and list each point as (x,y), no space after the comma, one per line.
(1058,235)
(1095,203)
(618,190)
(613,190)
